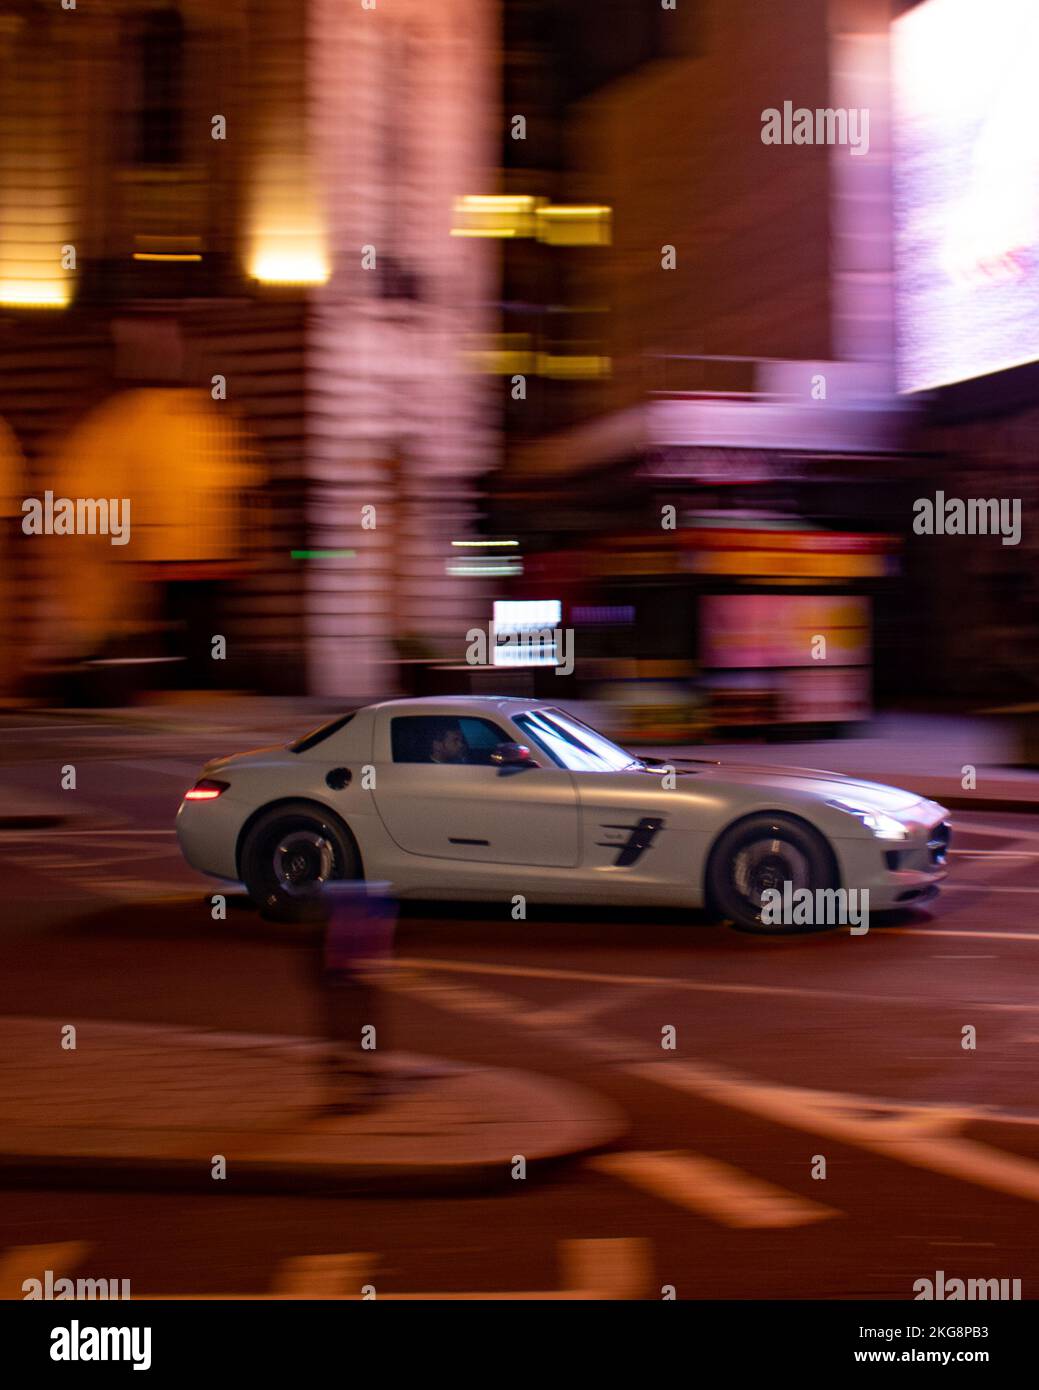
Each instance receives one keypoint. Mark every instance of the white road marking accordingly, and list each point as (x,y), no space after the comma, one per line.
(132,889)
(56,833)
(577,1015)
(660,982)
(912,1134)
(963,1244)
(591,1269)
(996,853)
(104,860)
(967,933)
(618,1268)
(713,1189)
(915,1135)
(323,1276)
(21,1262)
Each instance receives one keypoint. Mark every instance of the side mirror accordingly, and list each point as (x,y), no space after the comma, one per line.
(514,756)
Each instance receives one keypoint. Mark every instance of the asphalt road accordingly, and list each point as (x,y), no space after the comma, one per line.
(787,1051)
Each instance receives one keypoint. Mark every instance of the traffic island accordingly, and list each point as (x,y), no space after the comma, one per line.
(163,1108)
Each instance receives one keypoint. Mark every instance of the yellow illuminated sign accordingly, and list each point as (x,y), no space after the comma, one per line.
(523,215)
(785,562)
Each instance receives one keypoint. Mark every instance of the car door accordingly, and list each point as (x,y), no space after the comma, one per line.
(471,811)
(629,821)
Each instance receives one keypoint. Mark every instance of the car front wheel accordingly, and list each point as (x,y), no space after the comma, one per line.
(290,853)
(767,852)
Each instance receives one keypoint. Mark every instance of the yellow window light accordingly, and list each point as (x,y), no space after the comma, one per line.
(562,224)
(574,211)
(156,248)
(501,362)
(564,367)
(525,215)
(495,215)
(35,294)
(484,231)
(473,545)
(514,201)
(287,243)
(275,265)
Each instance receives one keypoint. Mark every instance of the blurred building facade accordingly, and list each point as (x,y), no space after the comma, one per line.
(737,277)
(744,311)
(229,292)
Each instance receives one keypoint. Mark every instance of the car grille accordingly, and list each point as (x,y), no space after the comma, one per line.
(938,842)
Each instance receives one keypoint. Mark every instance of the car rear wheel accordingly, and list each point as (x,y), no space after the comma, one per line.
(767,852)
(289,855)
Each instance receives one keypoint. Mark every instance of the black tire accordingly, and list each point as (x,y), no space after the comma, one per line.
(762,852)
(289,854)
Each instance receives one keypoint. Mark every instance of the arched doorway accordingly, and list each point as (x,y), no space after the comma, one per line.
(139,607)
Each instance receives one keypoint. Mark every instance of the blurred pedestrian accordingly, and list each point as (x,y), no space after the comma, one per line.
(358,922)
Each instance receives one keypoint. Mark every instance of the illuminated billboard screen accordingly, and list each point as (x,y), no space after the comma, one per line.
(525,632)
(966,189)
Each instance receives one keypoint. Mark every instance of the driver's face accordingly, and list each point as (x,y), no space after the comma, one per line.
(452,748)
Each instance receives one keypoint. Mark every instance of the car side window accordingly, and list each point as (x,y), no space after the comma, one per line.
(444,739)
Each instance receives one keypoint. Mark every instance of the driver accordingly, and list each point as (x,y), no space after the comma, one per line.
(447,743)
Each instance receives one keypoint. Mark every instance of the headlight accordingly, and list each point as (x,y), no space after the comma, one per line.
(883,826)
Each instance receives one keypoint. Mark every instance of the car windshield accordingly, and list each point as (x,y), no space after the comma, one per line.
(573,745)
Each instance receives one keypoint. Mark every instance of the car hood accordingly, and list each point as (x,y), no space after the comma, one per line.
(872,796)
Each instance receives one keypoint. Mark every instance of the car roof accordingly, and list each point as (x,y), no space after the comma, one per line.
(438,704)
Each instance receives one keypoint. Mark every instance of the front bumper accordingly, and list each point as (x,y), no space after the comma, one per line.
(900,873)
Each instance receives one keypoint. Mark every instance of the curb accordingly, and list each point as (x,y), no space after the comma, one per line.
(255,1179)
(442,1127)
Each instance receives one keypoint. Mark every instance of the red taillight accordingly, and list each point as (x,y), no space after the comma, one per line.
(206,790)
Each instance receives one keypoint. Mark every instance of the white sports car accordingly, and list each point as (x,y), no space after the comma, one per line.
(483,798)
